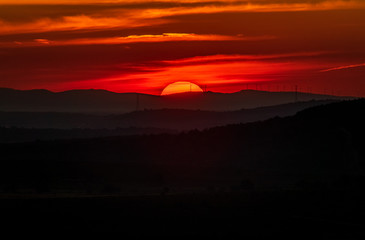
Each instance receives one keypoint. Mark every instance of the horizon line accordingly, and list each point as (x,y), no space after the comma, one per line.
(156,95)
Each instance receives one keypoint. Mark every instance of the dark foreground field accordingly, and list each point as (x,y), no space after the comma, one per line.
(303,215)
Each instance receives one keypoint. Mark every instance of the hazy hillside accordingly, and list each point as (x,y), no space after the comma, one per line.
(189,119)
(317,146)
(178,119)
(101,101)
(13,134)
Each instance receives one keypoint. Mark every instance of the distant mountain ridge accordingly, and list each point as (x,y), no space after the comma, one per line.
(106,102)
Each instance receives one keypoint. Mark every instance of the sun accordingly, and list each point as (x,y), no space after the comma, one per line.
(181,87)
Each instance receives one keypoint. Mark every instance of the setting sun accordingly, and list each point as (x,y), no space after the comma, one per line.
(181,87)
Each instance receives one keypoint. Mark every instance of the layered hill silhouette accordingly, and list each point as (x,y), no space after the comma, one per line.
(31,126)
(101,101)
(44,115)
(178,119)
(320,147)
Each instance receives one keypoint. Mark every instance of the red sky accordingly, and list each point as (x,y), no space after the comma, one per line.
(141,45)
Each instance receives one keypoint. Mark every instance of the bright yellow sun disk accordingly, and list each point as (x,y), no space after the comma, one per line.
(181,87)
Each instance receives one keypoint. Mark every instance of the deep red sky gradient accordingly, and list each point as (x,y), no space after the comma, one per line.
(142,46)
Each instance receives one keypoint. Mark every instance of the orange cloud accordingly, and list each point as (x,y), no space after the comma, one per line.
(121,16)
(259,2)
(68,23)
(222,58)
(165,37)
(42,41)
(254,6)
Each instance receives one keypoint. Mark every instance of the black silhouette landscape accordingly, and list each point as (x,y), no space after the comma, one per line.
(301,166)
(228,119)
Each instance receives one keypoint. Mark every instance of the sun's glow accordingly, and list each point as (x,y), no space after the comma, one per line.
(181,87)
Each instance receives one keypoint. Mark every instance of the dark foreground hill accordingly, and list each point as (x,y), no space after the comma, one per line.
(106,102)
(294,177)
